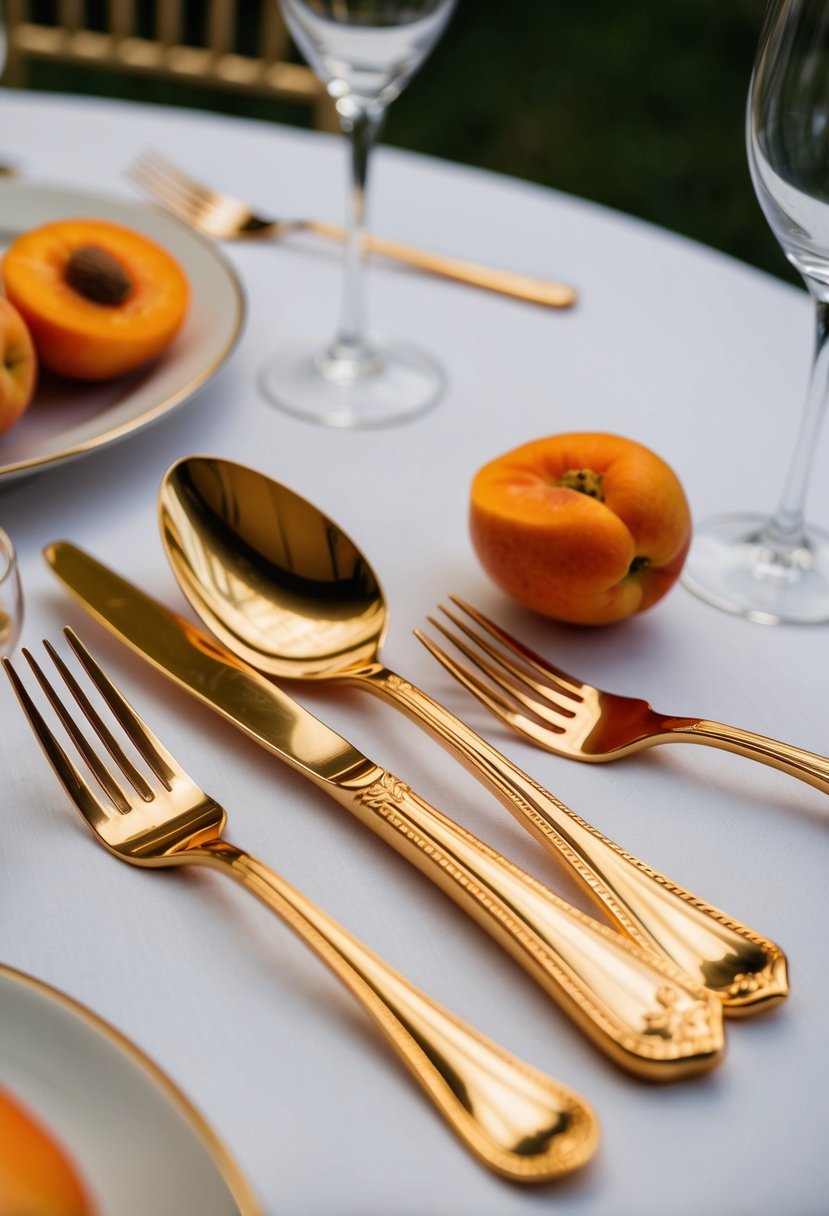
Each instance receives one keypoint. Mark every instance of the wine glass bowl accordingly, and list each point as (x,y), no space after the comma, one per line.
(365,51)
(788,140)
(365,48)
(11,596)
(775,569)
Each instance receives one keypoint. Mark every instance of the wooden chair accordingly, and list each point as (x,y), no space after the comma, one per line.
(170,48)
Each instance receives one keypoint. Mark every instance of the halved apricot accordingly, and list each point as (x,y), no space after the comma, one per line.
(99,299)
(36,1175)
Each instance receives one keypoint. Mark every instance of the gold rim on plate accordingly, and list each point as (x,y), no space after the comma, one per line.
(226,1166)
(223,307)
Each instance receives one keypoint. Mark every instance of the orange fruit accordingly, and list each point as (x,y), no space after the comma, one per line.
(36,1175)
(18,365)
(99,299)
(583,528)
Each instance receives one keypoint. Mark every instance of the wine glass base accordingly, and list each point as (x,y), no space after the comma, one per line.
(736,567)
(313,381)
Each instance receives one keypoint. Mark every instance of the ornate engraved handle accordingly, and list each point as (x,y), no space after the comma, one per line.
(505,282)
(745,970)
(642,1011)
(516,1120)
(795,761)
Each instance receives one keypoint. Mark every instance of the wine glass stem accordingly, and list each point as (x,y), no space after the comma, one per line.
(361,123)
(787,526)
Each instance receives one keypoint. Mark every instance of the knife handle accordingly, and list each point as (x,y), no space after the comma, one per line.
(641,1011)
(744,968)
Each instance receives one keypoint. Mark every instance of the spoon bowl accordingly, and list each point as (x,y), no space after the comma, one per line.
(272,576)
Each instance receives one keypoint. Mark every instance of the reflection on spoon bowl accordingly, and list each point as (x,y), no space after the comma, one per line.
(273,577)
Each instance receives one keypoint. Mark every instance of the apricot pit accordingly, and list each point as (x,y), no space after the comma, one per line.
(96,275)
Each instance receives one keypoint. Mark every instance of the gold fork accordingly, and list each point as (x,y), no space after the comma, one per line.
(226,218)
(574,719)
(517,1121)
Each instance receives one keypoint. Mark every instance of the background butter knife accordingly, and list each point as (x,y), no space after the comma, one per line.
(644,1013)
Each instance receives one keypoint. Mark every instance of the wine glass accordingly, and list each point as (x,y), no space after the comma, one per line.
(775,569)
(365,51)
(11,596)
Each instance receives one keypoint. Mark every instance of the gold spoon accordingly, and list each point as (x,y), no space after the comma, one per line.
(289,593)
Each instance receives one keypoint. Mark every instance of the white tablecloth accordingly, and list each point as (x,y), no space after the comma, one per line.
(703,359)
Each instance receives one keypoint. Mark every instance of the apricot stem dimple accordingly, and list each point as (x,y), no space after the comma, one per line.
(96,275)
(639,563)
(585,481)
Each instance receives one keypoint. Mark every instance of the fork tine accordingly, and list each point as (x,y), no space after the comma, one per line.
(499,706)
(159,191)
(162,170)
(99,726)
(510,679)
(176,174)
(101,773)
(178,201)
(569,683)
(149,746)
(90,806)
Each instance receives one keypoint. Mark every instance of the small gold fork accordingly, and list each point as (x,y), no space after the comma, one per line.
(572,718)
(225,218)
(517,1121)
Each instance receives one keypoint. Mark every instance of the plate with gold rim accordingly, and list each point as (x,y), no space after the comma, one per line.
(134,1139)
(67,420)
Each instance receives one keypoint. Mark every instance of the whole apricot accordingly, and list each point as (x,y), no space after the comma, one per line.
(583,528)
(35,1173)
(18,365)
(99,299)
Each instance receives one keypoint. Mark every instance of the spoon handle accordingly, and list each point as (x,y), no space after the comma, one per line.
(744,969)
(643,1012)
(519,1122)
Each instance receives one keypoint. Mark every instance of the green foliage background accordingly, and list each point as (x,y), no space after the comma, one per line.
(638,105)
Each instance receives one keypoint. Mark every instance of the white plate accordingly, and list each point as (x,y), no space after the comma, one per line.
(136,1141)
(67,420)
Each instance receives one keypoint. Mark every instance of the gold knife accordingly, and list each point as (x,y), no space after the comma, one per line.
(641,1011)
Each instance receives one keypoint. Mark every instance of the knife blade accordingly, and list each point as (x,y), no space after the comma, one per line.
(641,1011)
(205,668)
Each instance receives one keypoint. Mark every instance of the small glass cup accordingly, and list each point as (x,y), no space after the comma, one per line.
(11,596)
